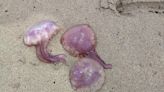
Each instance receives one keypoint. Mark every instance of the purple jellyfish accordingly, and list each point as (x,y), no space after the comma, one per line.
(39,36)
(80,41)
(87,75)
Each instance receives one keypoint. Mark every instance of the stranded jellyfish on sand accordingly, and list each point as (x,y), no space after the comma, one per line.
(87,75)
(39,36)
(80,41)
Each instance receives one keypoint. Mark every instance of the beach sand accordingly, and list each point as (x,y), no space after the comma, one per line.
(133,43)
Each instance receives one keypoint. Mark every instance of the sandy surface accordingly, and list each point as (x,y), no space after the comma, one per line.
(132,42)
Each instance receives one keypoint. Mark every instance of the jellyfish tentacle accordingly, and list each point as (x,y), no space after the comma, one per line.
(45,56)
(94,55)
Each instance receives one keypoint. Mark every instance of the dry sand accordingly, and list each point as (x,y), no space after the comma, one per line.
(133,42)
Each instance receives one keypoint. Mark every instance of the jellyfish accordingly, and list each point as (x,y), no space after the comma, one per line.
(87,75)
(80,41)
(39,36)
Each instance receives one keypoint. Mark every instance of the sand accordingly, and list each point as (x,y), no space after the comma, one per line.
(133,41)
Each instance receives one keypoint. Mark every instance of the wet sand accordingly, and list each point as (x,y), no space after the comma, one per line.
(133,43)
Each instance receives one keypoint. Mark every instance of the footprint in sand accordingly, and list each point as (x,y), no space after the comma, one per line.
(132,7)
